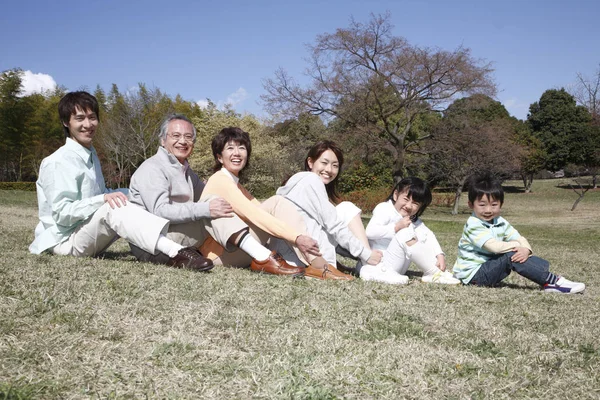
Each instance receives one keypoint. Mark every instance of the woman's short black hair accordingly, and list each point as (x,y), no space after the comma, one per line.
(230,134)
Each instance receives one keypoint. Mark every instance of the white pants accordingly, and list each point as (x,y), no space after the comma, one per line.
(194,233)
(398,255)
(130,222)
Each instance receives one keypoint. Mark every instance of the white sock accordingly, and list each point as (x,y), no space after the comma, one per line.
(253,248)
(167,246)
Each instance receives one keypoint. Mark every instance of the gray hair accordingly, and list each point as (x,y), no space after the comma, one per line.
(164,127)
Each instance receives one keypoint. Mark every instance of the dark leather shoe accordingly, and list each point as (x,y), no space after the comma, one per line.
(345,269)
(276,265)
(190,258)
(326,272)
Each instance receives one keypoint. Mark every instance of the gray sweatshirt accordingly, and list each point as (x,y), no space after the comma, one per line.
(165,187)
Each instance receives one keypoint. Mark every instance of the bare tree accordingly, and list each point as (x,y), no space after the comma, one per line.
(587,93)
(378,83)
(130,133)
(458,153)
(580,192)
(475,135)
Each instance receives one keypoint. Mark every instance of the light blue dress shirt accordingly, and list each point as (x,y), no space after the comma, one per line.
(70,189)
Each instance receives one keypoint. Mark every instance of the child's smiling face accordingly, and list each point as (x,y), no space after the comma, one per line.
(486,208)
(405,205)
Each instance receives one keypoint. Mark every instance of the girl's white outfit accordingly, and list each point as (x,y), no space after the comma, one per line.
(397,256)
(325,223)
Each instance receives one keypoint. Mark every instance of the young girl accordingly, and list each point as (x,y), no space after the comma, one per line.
(396,229)
(328,221)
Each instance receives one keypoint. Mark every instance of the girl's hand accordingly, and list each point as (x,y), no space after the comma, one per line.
(403,223)
(375,258)
(441,262)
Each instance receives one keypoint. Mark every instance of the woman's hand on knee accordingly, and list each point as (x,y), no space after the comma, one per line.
(308,245)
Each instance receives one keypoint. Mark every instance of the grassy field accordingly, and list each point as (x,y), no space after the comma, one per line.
(116,328)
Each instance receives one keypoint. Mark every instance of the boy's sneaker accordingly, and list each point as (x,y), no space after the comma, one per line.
(443,277)
(379,274)
(563,285)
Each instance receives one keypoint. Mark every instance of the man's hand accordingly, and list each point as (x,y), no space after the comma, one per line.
(521,255)
(441,262)
(308,245)
(220,208)
(375,258)
(115,199)
(403,223)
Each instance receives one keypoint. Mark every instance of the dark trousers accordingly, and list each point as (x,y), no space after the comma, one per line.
(493,271)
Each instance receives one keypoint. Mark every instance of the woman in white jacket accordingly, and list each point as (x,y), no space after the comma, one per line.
(328,221)
(397,230)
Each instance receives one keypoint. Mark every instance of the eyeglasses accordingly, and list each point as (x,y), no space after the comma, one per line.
(177,137)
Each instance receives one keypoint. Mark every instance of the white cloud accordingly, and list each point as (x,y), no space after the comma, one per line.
(36,83)
(202,103)
(233,99)
(237,97)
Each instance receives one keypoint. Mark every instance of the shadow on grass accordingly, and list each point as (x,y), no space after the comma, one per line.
(513,189)
(418,274)
(576,186)
(117,255)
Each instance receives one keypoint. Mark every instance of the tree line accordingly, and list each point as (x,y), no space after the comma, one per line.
(397,109)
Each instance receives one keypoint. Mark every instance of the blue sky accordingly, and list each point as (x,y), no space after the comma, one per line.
(224,50)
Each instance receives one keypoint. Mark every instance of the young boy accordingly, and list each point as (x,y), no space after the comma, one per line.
(490,248)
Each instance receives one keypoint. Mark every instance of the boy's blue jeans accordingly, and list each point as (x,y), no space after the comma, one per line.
(493,271)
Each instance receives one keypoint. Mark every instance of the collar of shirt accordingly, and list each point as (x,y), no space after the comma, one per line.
(495,222)
(185,167)
(83,152)
(394,208)
(235,179)
(173,160)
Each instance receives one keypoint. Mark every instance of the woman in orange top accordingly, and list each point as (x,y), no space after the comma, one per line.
(274,223)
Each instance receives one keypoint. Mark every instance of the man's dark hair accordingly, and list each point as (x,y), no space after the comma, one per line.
(68,105)
(485,184)
(231,134)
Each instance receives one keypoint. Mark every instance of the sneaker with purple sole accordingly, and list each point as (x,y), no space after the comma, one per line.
(563,285)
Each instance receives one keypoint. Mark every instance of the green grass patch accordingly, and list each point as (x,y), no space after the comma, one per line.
(117,328)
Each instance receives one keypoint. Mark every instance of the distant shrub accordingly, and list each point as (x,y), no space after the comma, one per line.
(362,176)
(442,199)
(367,199)
(28,186)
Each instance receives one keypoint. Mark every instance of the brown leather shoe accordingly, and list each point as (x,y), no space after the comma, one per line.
(276,265)
(326,272)
(190,258)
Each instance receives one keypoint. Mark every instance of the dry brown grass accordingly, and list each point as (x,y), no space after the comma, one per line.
(116,328)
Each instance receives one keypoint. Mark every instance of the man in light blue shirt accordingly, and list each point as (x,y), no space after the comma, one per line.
(78,215)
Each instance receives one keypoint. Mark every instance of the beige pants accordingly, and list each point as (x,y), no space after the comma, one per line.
(130,222)
(283,209)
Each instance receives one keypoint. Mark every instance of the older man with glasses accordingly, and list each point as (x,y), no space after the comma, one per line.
(166,186)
